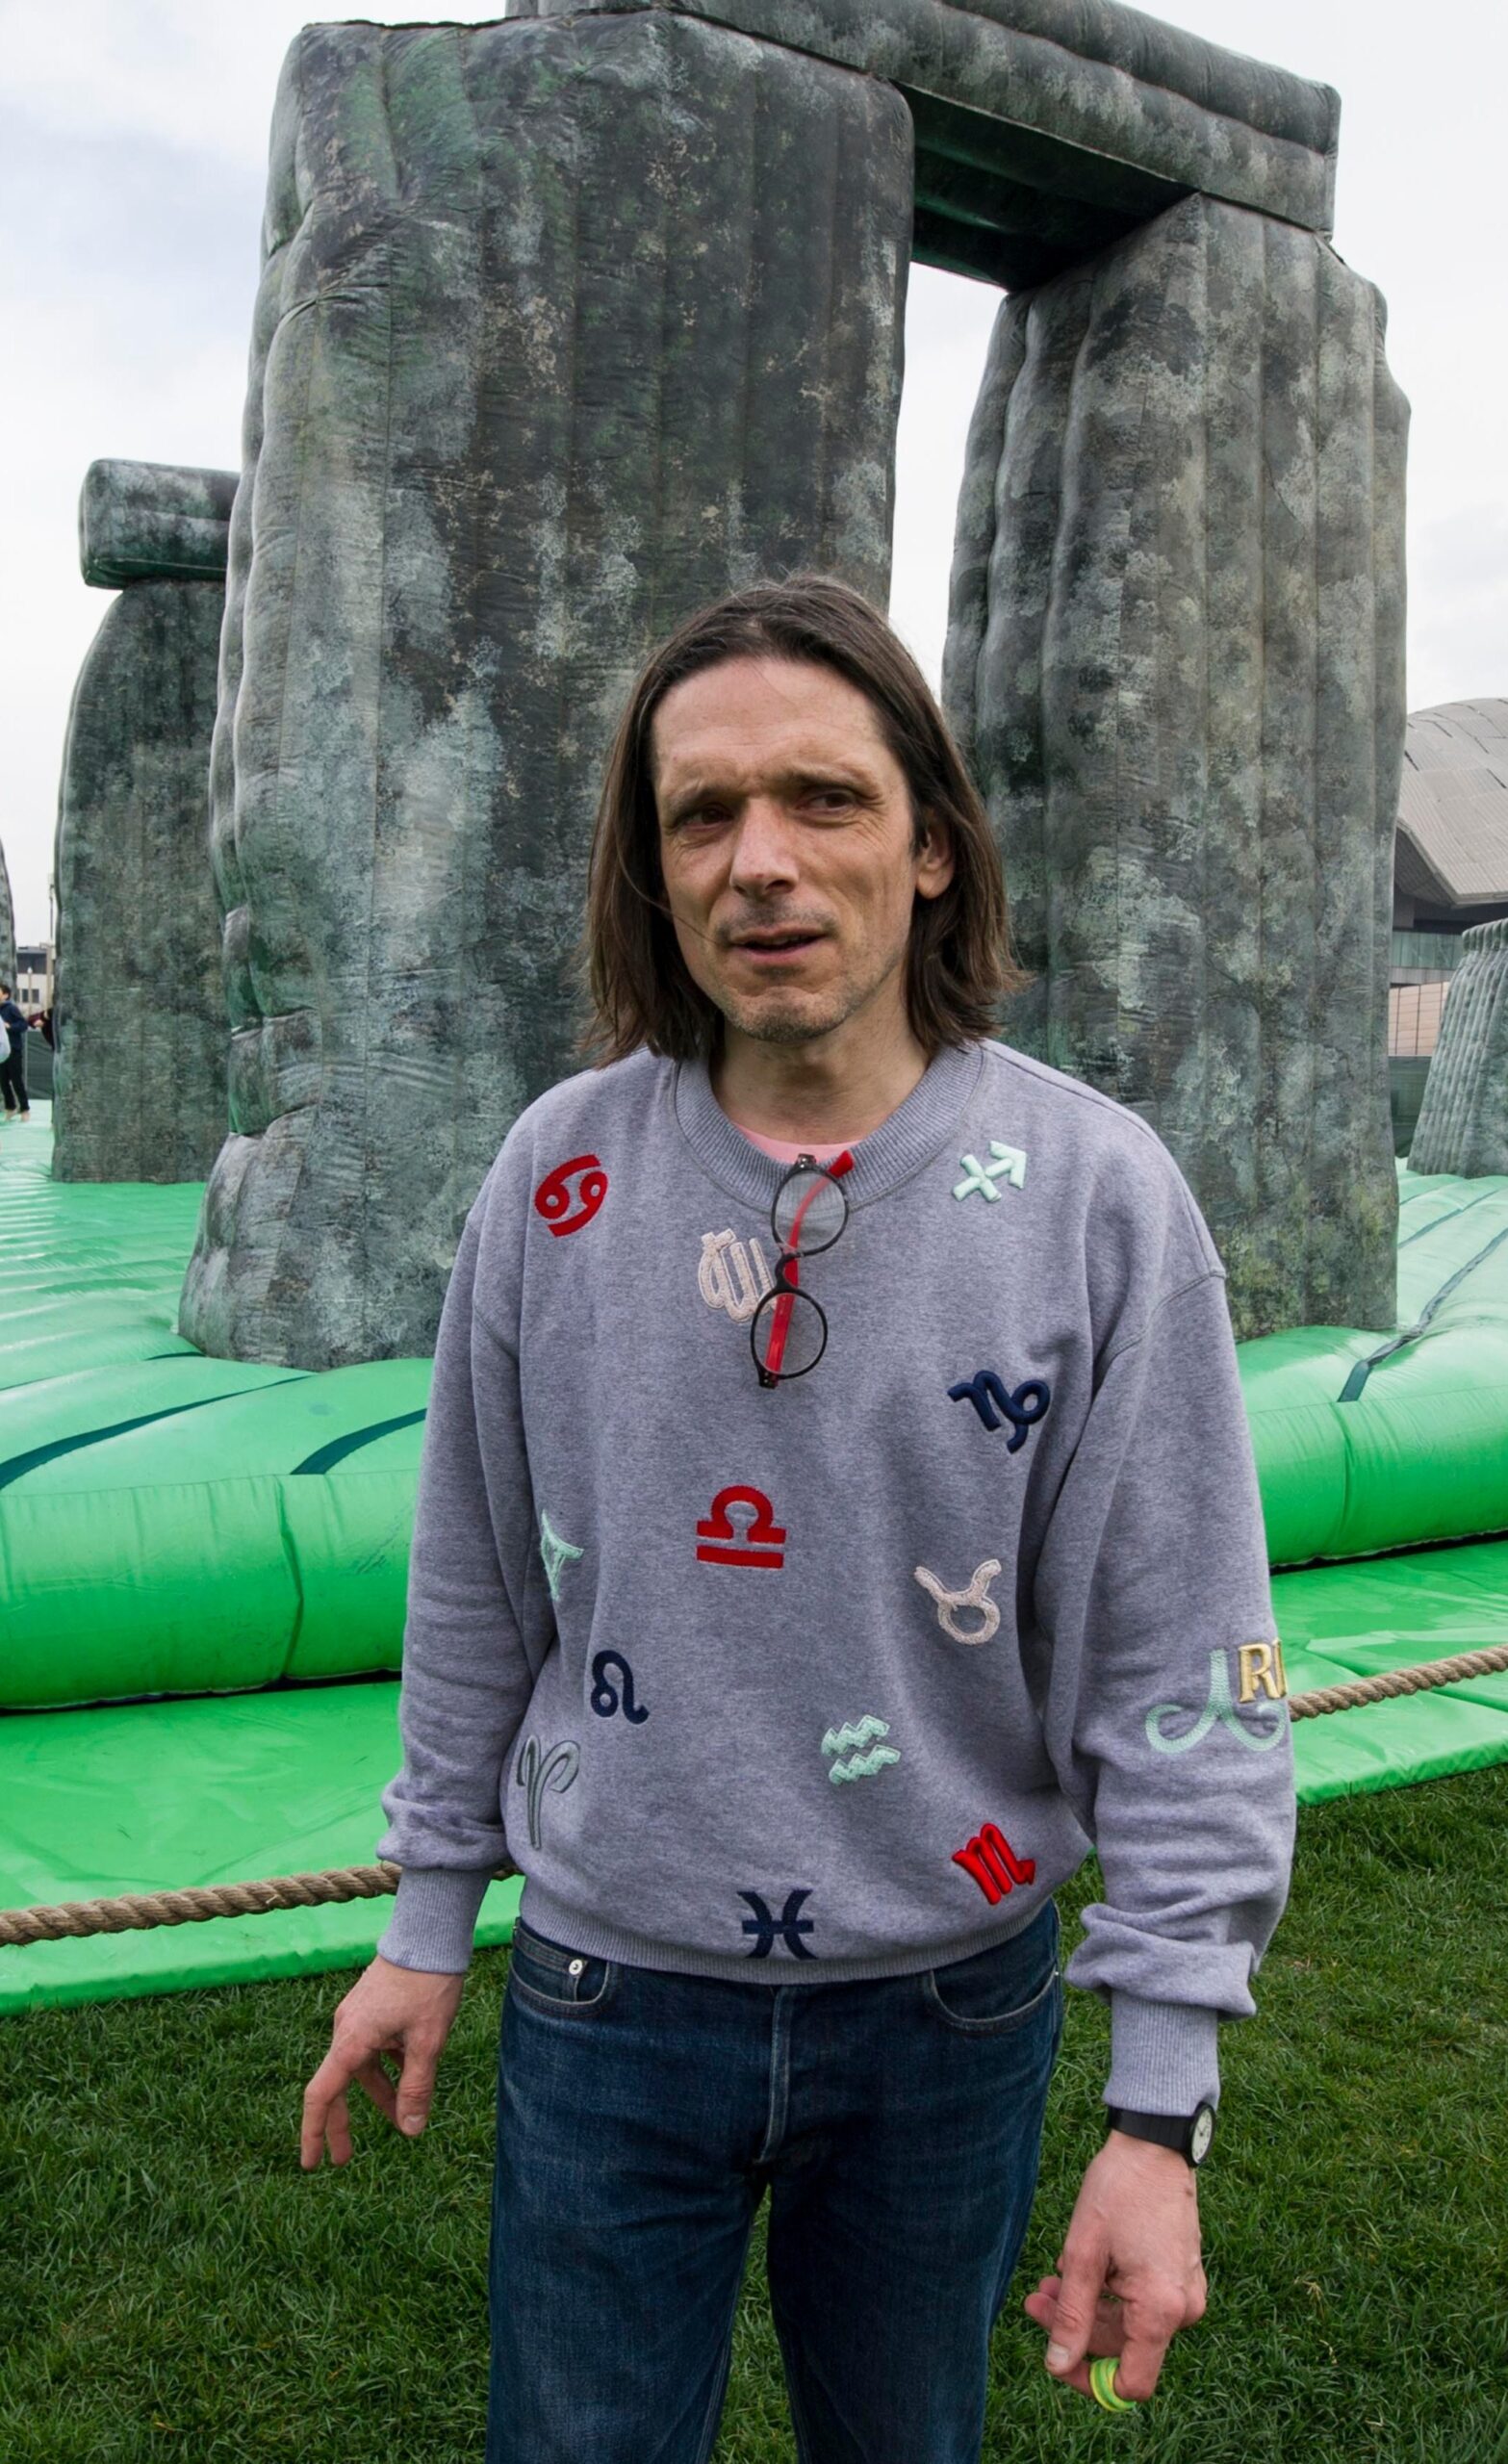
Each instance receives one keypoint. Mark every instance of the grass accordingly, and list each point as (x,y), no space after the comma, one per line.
(173,2286)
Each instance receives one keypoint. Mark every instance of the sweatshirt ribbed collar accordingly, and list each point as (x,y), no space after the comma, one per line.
(914,1132)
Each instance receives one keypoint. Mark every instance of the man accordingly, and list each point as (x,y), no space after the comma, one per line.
(813,1558)
(12,1068)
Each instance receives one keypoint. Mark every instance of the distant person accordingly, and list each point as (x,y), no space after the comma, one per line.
(12,1069)
(42,1022)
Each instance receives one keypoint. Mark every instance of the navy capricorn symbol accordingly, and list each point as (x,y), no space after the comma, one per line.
(790,1924)
(986,1391)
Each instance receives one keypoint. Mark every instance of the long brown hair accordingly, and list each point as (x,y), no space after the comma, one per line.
(960,964)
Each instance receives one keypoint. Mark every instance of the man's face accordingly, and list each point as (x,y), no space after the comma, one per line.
(787,844)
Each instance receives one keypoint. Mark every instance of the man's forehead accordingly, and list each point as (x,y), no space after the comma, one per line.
(740,728)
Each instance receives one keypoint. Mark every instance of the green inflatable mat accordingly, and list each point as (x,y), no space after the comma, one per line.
(176,1525)
(229,1789)
(149,1796)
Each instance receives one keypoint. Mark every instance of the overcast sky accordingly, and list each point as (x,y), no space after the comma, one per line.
(133,147)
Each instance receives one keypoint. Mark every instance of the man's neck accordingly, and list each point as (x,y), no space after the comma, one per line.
(834,1089)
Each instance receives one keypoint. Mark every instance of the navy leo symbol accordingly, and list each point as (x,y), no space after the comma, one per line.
(986,1391)
(790,1924)
(604,1698)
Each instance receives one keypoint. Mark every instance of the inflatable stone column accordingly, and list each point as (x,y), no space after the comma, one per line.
(564,329)
(1176,660)
(7,923)
(1463,1122)
(139,1085)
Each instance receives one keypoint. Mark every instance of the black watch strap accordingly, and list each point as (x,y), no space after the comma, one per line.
(1190,2134)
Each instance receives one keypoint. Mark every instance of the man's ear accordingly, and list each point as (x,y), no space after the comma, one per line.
(934,857)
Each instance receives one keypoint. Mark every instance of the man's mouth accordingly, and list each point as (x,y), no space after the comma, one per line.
(776,941)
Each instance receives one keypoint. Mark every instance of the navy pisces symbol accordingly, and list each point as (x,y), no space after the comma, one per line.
(986,1391)
(605,1693)
(790,1924)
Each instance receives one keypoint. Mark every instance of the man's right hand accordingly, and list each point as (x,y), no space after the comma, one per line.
(404,2012)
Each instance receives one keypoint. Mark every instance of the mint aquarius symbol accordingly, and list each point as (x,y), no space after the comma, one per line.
(537,1772)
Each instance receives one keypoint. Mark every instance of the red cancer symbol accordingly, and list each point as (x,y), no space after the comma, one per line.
(553,1198)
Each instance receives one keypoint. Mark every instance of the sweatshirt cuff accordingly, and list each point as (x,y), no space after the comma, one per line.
(1164,2057)
(434,1917)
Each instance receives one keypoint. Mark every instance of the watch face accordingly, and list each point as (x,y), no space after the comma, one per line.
(1203,2132)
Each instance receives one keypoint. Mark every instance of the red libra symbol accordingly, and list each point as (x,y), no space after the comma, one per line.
(993,1862)
(763,1542)
(553,1198)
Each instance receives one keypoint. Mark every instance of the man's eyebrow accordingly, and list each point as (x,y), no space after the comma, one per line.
(823,774)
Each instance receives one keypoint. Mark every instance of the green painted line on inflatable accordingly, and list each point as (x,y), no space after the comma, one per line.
(327,1457)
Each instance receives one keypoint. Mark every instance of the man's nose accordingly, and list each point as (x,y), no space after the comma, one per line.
(764,851)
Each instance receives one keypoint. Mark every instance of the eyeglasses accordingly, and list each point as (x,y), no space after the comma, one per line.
(789,1332)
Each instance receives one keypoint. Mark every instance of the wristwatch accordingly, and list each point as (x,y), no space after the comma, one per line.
(1190,2133)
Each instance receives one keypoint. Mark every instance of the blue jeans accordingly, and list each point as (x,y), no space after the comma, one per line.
(641,2118)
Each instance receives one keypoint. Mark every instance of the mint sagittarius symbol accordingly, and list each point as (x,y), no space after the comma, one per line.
(1008,1165)
(1219,1707)
(557,1554)
(790,1924)
(850,1739)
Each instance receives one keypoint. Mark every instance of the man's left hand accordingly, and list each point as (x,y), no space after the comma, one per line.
(1130,2276)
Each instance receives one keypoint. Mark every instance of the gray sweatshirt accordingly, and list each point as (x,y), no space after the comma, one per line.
(839,1679)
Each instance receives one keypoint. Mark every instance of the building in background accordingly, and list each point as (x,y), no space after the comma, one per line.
(34,975)
(1449,871)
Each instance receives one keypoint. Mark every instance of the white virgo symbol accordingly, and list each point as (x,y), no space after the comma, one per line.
(730,1276)
(977,1596)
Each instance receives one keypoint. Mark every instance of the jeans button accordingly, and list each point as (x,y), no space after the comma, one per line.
(576,1967)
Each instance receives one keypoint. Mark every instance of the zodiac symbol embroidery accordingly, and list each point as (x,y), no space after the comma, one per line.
(993,1862)
(761,1544)
(1008,1165)
(986,1390)
(605,1693)
(1219,1707)
(537,1772)
(556,1554)
(855,1736)
(553,1198)
(790,1924)
(976,1596)
(730,1276)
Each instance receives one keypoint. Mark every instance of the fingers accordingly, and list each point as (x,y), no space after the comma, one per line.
(1152,2319)
(1105,2335)
(325,2116)
(416,2089)
(1085,2264)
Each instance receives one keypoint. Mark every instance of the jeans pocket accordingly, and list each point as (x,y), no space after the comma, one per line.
(997,1992)
(550,1976)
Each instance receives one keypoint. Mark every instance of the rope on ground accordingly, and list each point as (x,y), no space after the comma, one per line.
(140,1909)
(1398,1680)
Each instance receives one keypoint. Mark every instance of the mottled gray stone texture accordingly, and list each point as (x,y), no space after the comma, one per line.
(1175,660)
(7,923)
(153,521)
(140,1078)
(1045,129)
(564,328)
(1463,1122)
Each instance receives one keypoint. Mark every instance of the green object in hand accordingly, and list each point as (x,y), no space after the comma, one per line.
(1103,2388)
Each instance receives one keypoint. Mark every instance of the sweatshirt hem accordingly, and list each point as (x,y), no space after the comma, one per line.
(590,1938)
